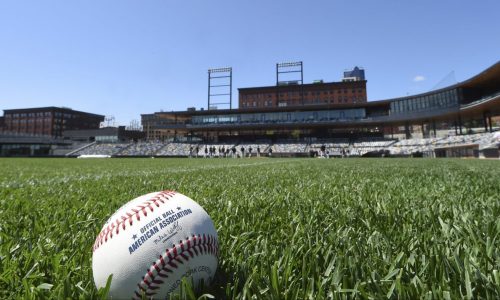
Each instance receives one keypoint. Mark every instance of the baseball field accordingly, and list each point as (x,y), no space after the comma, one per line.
(288,228)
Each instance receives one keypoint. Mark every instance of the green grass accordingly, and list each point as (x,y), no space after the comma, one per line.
(288,228)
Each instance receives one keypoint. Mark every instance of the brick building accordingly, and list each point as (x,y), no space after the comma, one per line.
(352,89)
(293,94)
(50,121)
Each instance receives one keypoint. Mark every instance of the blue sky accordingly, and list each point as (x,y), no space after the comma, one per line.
(124,58)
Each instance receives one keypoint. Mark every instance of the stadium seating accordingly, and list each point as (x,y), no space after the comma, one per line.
(290,148)
(102,149)
(174,149)
(67,149)
(410,146)
(335,147)
(141,149)
(365,146)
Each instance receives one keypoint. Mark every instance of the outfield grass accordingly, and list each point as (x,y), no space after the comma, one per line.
(288,228)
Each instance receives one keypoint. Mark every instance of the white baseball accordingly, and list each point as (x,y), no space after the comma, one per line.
(151,243)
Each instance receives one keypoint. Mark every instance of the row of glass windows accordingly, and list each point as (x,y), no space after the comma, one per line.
(340,99)
(440,100)
(18,146)
(282,117)
(24,115)
(22,121)
(40,114)
(297,94)
(106,138)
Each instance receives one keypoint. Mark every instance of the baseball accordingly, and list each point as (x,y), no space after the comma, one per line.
(151,243)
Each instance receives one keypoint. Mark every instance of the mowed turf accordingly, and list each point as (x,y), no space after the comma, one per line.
(288,228)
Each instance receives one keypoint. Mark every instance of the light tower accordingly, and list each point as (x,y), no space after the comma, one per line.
(290,68)
(218,86)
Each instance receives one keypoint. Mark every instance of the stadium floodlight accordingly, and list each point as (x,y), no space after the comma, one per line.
(290,68)
(290,64)
(220,70)
(220,85)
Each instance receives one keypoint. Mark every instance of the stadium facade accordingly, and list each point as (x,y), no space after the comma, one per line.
(318,110)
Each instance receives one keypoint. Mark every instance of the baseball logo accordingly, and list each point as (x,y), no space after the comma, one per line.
(151,243)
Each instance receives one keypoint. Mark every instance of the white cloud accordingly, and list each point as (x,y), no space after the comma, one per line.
(419,78)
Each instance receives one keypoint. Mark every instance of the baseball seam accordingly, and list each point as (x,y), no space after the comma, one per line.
(128,217)
(189,248)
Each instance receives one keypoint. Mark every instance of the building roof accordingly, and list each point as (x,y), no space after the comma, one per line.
(306,85)
(48,108)
(486,79)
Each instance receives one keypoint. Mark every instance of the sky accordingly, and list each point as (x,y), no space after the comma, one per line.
(125,58)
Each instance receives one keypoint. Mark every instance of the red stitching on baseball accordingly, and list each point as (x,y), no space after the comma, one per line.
(206,245)
(121,221)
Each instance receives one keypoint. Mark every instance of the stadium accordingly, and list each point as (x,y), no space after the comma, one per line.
(288,119)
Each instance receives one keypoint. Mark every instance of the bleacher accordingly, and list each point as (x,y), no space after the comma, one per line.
(478,138)
(411,146)
(174,149)
(335,147)
(141,149)
(365,146)
(290,148)
(110,149)
(61,150)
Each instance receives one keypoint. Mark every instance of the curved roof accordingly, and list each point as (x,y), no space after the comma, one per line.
(487,79)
